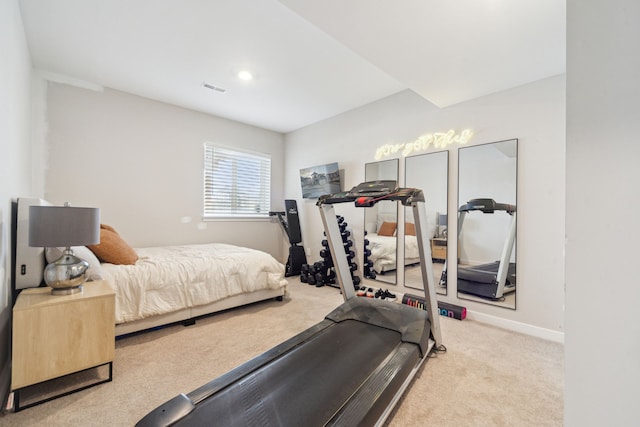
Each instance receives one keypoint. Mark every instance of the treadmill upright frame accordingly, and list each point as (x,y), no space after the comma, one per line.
(408,197)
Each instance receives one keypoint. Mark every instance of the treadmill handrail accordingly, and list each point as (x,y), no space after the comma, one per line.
(487,206)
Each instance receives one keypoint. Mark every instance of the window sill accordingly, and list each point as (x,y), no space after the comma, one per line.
(235,218)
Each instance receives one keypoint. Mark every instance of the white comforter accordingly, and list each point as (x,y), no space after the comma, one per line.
(383,251)
(166,279)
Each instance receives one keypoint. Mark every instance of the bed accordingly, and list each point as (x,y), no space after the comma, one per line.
(383,251)
(162,285)
(382,236)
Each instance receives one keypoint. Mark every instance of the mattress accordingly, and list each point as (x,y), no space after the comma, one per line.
(383,251)
(170,278)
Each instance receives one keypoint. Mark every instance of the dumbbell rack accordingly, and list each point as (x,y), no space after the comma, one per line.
(323,272)
(367,264)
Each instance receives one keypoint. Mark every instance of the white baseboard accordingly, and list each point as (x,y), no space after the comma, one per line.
(512,325)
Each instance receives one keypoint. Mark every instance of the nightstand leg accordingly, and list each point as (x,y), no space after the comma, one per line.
(16,393)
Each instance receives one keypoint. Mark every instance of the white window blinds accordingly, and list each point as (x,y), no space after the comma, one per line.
(236,183)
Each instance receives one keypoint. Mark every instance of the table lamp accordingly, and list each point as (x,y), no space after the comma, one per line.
(442,222)
(64,226)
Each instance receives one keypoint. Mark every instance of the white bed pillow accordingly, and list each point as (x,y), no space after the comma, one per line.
(95,270)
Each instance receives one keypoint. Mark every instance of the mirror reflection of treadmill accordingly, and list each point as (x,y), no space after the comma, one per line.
(496,279)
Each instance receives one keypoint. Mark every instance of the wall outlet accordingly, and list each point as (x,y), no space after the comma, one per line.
(308,251)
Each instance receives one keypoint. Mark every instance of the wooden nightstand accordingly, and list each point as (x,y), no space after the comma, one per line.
(439,248)
(57,335)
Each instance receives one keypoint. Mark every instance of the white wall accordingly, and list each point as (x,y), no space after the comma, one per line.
(141,162)
(15,152)
(533,113)
(432,171)
(602,349)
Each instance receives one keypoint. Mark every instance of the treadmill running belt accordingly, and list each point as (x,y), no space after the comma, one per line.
(305,386)
(479,275)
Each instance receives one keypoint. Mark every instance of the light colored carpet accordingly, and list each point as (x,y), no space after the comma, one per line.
(488,376)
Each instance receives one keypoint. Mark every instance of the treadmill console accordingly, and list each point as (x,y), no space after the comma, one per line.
(374,188)
(488,206)
(369,193)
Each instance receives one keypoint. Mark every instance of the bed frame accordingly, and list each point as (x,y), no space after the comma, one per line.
(29,263)
(188,315)
(407,262)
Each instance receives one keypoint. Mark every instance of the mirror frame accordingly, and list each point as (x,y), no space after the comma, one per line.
(508,300)
(444,157)
(368,211)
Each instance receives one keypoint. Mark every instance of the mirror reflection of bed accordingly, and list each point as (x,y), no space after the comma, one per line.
(429,172)
(381,228)
(380,223)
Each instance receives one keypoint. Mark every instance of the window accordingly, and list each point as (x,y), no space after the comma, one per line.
(237,183)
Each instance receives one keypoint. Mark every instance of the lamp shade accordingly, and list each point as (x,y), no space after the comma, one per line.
(55,226)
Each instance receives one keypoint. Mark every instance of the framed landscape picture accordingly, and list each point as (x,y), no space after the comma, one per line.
(320,180)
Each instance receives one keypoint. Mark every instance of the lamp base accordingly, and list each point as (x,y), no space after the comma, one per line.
(66,274)
(66,291)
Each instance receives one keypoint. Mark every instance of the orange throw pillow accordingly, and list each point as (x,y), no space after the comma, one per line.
(387,229)
(409,229)
(112,248)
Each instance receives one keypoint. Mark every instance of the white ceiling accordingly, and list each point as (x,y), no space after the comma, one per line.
(311,59)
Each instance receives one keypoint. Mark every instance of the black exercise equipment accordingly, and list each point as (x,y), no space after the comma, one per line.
(322,272)
(492,280)
(291,227)
(367,265)
(349,369)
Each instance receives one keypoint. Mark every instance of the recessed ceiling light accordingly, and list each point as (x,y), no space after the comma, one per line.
(245,75)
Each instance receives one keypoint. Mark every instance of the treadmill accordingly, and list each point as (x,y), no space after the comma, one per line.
(496,279)
(349,369)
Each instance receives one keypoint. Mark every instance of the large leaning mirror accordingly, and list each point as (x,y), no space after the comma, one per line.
(487,182)
(428,172)
(380,224)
